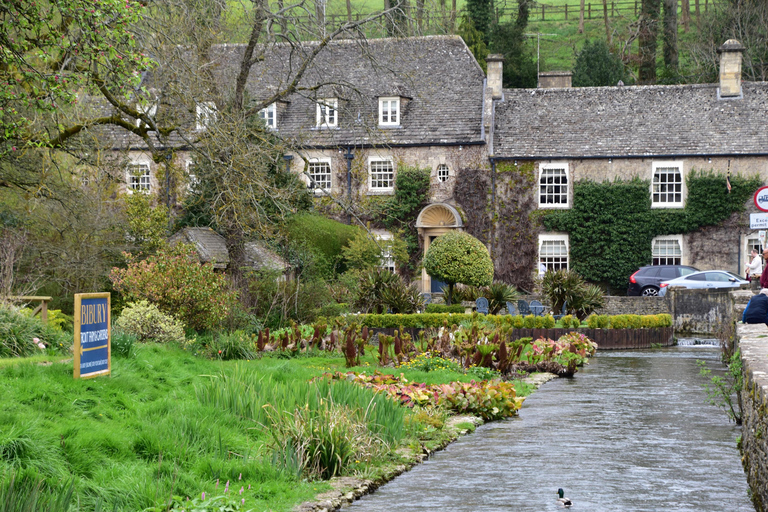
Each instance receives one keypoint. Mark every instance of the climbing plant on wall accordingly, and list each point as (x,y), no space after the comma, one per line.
(612,224)
(509,227)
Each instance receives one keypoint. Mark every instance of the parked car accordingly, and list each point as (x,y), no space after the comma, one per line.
(705,279)
(647,280)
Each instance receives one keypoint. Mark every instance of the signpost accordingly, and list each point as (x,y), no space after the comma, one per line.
(93,335)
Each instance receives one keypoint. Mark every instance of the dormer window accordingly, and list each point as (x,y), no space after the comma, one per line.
(389,111)
(269,115)
(327,113)
(205,114)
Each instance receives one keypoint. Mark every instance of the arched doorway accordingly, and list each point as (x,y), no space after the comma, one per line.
(433,221)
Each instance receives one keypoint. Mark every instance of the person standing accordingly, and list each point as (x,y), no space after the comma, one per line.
(754,269)
(764,276)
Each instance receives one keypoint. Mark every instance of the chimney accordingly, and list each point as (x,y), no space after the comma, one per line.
(553,79)
(495,64)
(730,69)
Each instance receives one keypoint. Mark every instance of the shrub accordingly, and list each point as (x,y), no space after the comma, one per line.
(598,321)
(567,286)
(236,345)
(458,257)
(324,238)
(444,308)
(332,310)
(529,321)
(401,297)
(147,323)
(179,285)
(18,333)
(548,322)
(122,343)
(498,294)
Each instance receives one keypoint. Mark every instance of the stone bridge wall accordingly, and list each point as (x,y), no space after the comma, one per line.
(753,343)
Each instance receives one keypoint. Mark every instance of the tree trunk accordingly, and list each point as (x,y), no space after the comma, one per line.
(349,10)
(649,29)
(671,57)
(607,23)
(685,8)
(581,17)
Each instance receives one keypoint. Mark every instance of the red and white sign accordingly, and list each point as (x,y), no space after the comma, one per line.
(761,199)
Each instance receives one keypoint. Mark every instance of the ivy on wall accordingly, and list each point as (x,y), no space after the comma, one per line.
(509,227)
(612,225)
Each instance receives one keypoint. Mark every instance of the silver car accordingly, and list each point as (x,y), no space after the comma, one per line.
(704,279)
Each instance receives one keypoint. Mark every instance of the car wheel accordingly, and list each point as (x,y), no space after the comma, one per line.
(649,291)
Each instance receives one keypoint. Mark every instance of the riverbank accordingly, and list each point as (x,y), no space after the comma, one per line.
(346,490)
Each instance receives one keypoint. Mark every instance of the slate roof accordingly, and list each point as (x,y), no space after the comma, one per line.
(438,78)
(637,121)
(210,246)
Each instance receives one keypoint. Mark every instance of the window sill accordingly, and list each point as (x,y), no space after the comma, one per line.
(669,206)
(550,206)
(390,127)
(381,192)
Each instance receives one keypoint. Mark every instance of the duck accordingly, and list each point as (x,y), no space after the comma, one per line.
(563,501)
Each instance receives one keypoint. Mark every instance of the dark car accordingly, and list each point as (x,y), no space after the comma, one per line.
(647,280)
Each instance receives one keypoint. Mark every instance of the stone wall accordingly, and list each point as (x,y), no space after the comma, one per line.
(753,343)
(616,305)
(699,311)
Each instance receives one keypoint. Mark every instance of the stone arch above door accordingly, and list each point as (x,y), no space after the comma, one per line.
(435,220)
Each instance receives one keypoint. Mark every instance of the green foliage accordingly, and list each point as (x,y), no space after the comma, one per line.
(596,66)
(324,238)
(458,257)
(236,345)
(25,490)
(147,224)
(612,224)
(381,290)
(146,323)
(365,253)
(598,321)
(474,39)
(179,285)
(498,294)
(725,391)
(21,335)
(509,39)
(444,308)
(122,343)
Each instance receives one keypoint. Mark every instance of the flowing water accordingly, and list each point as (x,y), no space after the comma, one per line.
(630,432)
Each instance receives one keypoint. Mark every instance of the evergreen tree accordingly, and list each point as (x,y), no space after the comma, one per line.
(596,66)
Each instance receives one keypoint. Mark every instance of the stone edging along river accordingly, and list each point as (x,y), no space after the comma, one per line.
(348,489)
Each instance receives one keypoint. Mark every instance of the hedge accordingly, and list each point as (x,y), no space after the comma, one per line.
(436,320)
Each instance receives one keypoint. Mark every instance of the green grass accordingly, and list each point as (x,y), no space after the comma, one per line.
(164,424)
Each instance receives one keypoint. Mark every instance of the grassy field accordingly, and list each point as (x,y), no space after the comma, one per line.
(167,423)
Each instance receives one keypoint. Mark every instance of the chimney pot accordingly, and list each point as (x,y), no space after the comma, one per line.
(730,68)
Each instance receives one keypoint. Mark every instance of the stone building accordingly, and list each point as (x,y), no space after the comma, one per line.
(364,108)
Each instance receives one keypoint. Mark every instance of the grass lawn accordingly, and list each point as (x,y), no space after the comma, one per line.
(169,423)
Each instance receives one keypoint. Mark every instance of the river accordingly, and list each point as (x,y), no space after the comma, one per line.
(631,432)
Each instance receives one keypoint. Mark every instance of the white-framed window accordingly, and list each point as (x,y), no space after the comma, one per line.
(192,180)
(381,175)
(387,258)
(442,172)
(553,251)
(667,250)
(269,115)
(389,111)
(553,186)
(138,177)
(144,107)
(205,114)
(319,170)
(667,185)
(327,113)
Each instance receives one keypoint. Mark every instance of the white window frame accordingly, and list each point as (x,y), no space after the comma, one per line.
(548,189)
(554,237)
(667,238)
(192,179)
(205,114)
(443,173)
(150,109)
(269,115)
(387,259)
(135,182)
(389,111)
(317,189)
(328,113)
(374,160)
(660,188)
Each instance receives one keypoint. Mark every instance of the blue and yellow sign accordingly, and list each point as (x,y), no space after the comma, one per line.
(92,334)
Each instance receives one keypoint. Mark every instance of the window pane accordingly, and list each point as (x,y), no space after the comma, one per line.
(382,174)
(442,172)
(667,185)
(320,174)
(554,254)
(553,186)
(138,177)
(667,252)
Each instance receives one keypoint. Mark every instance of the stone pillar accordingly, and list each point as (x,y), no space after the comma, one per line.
(730,68)
(495,66)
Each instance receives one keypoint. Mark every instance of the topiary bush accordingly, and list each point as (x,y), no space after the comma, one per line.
(458,257)
(147,323)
